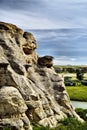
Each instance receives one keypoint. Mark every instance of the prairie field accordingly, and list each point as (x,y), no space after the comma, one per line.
(78,93)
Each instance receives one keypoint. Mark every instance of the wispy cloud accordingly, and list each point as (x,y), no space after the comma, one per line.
(68,46)
(65,60)
(25,21)
(44,13)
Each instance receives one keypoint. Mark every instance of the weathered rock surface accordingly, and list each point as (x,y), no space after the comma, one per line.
(46,61)
(12,109)
(30,89)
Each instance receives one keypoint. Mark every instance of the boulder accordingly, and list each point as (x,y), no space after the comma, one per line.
(46,61)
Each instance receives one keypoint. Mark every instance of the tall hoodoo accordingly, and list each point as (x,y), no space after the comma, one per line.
(30,89)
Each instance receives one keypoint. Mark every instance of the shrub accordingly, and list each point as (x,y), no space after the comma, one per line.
(82,113)
(73,124)
(67,78)
(79,74)
(67,124)
(37,127)
(84,82)
(70,121)
(70,83)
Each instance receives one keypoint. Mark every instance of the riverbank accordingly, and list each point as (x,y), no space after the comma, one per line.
(78,93)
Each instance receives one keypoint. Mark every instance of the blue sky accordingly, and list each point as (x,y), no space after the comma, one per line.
(45,13)
(68,46)
(52,14)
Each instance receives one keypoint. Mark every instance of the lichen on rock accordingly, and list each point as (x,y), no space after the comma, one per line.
(30,89)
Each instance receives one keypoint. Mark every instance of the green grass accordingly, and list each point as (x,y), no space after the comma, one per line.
(78,93)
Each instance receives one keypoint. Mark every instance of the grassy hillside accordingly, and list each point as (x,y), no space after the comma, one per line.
(77,93)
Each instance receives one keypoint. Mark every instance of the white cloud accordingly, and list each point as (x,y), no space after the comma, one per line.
(48,14)
(65,60)
(61,58)
(25,21)
(45,14)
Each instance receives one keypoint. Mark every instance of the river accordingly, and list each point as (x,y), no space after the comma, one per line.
(78,104)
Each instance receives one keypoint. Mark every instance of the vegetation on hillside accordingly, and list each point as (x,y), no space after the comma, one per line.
(67,124)
(69,69)
(82,113)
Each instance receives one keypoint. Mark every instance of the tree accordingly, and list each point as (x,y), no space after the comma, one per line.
(79,74)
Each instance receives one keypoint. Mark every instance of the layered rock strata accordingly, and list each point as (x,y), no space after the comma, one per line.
(30,89)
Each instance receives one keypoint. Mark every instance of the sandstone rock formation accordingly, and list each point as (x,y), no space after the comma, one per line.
(30,89)
(46,61)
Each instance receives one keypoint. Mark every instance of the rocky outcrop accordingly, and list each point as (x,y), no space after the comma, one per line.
(12,109)
(46,61)
(30,89)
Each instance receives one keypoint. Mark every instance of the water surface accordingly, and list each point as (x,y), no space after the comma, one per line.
(78,104)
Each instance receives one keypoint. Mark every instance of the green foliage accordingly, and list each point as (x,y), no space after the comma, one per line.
(82,113)
(74,124)
(79,74)
(69,82)
(84,82)
(67,78)
(67,124)
(71,123)
(38,127)
(69,68)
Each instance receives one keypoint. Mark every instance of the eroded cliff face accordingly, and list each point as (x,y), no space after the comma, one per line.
(30,89)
